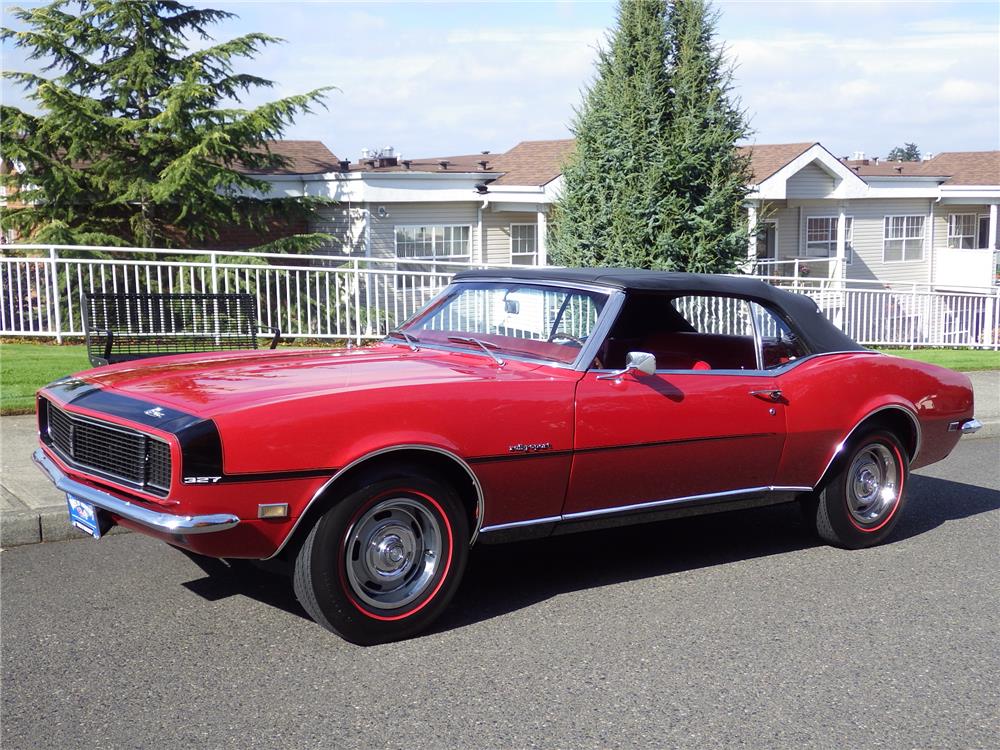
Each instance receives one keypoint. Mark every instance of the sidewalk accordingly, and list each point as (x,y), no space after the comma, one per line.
(32,510)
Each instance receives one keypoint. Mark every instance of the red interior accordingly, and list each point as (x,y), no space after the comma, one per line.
(686,351)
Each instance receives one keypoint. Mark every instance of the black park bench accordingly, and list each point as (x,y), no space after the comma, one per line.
(125,327)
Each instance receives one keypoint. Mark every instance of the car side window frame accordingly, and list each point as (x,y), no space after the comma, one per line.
(759,369)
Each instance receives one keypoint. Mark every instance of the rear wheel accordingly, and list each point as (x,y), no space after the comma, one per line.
(861,502)
(384,563)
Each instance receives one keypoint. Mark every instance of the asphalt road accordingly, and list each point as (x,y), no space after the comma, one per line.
(725,631)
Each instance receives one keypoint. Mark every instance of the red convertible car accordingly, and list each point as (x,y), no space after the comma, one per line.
(515,404)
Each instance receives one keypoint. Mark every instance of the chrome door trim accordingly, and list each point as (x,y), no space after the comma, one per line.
(772,373)
(480,499)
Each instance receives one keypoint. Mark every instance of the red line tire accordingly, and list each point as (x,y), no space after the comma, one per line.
(861,501)
(384,563)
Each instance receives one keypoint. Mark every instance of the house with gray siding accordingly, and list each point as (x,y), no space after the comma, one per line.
(931,223)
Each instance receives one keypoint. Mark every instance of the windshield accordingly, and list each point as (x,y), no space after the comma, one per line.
(528,320)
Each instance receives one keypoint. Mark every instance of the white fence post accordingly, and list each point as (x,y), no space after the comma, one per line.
(56,298)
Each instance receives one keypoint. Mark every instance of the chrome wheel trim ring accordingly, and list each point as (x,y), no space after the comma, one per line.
(873,484)
(392,553)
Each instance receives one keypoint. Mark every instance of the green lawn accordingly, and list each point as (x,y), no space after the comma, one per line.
(956,359)
(24,368)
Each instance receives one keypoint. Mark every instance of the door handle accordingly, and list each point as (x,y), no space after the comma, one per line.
(769,394)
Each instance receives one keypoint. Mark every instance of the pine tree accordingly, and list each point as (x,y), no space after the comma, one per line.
(656,180)
(138,137)
(906,152)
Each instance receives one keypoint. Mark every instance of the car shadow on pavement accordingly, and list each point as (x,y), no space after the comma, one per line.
(506,577)
(266,582)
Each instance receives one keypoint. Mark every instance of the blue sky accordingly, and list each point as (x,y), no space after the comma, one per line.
(435,79)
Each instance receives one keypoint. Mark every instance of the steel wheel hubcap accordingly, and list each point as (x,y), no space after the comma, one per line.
(393,553)
(873,484)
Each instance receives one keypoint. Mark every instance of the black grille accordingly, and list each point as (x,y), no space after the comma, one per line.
(115,452)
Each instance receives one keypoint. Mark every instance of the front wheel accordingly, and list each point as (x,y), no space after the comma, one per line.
(383,564)
(862,501)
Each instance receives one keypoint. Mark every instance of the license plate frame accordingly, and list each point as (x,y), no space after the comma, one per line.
(86,516)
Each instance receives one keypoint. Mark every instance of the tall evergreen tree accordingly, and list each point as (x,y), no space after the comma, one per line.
(656,180)
(906,152)
(138,137)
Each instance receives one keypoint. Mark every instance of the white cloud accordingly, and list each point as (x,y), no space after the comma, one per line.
(874,87)
(962,91)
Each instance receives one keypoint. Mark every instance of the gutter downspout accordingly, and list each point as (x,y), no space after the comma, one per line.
(932,270)
(480,228)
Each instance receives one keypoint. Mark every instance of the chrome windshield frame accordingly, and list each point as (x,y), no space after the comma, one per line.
(605,319)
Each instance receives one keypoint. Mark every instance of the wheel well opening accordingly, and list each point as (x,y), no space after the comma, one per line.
(392,463)
(896,422)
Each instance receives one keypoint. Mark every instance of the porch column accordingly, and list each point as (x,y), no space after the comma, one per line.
(841,244)
(752,231)
(994,241)
(543,255)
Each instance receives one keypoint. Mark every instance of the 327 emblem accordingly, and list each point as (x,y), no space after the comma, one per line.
(201,480)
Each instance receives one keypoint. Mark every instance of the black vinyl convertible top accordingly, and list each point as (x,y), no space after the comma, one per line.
(798,310)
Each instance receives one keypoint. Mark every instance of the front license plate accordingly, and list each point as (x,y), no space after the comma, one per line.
(85,516)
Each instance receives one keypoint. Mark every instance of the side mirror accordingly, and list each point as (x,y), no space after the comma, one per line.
(643,362)
(637,363)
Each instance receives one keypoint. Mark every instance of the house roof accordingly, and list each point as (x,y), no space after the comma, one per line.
(951,167)
(460,163)
(534,162)
(768,158)
(966,167)
(303,157)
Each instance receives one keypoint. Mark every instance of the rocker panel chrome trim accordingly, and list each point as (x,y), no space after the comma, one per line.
(675,500)
(480,501)
(652,504)
(516,524)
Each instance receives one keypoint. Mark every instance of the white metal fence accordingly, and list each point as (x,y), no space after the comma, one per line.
(318,296)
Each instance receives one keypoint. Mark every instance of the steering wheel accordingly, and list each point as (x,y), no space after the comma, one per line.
(566,337)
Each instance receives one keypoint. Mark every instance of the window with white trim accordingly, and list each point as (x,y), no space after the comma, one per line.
(449,241)
(524,244)
(962,230)
(903,239)
(821,237)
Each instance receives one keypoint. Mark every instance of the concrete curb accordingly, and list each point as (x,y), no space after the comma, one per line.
(44,525)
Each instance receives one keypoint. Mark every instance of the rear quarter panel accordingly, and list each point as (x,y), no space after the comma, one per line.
(828,396)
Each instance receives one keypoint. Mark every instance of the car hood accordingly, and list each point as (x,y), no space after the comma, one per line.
(207,384)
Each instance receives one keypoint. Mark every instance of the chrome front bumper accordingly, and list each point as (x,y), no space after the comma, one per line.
(167,523)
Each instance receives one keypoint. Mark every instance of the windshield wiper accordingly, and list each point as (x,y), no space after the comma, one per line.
(409,338)
(486,346)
